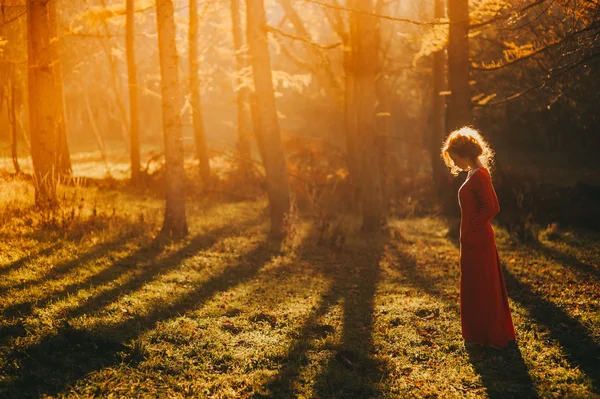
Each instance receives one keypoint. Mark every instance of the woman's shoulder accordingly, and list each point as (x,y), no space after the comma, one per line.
(482,173)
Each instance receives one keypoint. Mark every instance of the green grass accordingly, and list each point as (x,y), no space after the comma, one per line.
(93,305)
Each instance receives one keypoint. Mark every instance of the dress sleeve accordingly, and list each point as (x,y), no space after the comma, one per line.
(489,206)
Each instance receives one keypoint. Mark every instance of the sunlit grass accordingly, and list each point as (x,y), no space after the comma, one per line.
(97,306)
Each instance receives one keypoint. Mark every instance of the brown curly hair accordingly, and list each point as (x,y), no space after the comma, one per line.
(467,142)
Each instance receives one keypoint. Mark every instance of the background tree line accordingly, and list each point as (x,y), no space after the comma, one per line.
(346,102)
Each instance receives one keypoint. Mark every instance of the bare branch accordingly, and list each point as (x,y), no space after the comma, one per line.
(302,39)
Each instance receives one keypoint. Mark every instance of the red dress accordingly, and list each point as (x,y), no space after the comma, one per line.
(484,312)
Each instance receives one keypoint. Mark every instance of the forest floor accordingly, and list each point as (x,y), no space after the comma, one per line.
(92,304)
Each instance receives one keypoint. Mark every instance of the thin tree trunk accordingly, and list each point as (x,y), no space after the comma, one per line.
(366,36)
(385,131)
(350,122)
(199,134)
(459,100)
(439,171)
(133,94)
(275,164)
(96,132)
(44,118)
(243,94)
(63,162)
(175,222)
(115,81)
(13,121)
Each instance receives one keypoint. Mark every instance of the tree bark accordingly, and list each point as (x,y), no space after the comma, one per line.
(439,171)
(366,37)
(175,223)
(459,100)
(274,158)
(12,112)
(350,113)
(63,161)
(243,94)
(44,117)
(134,118)
(199,133)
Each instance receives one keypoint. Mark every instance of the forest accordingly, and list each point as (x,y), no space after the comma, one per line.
(248,199)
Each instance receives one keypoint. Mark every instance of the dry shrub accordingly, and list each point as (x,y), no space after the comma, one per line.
(321,185)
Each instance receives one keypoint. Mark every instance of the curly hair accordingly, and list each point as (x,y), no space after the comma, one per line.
(467,142)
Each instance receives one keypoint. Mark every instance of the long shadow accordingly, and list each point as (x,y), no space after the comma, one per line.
(58,361)
(60,269)
(570,261)
(580,347)
(503,372)
(16,265)
(145,255)
(352,372)
(282,385)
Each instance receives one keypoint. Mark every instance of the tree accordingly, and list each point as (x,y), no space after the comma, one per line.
(63,156)
(175,222)
(437,109)
(199,134)
(459,100)
(12,118)
(365,35)
(133,93)
(243,95)
(44,113)
(274,158)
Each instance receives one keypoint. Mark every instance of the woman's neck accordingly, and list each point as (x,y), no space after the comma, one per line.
(475,164)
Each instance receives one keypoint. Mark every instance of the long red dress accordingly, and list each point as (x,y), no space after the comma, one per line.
(484,312)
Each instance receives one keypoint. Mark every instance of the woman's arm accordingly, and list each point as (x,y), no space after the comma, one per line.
(484,190)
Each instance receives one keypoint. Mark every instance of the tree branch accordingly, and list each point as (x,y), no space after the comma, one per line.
(302,39)
(513,97)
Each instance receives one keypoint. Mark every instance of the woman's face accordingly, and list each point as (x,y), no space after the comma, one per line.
(462,163)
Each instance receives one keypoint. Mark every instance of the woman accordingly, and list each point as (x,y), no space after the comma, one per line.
(484,312)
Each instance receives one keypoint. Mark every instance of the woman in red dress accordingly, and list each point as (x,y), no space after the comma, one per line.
(484,312)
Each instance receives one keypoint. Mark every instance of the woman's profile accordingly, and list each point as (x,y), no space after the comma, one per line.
(484,311)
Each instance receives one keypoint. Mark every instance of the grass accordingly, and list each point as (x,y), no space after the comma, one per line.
(93,305)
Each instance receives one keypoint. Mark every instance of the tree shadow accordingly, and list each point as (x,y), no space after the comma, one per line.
(19,263)
(352,371)
(570,261)
(61,269)
(503,372)
(58,361)
(580,347)
(145,255)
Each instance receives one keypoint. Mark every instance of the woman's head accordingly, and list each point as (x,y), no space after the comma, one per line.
(463,147)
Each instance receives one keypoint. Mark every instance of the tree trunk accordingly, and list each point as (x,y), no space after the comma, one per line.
(385,130)
(12,112)
(175,222)
(366,37)
(96,132)
(63,161)
(134,119)
(199,134)
(350,122)
(243,94)
(440,173)
(459,101)
(44,117)
(275,164)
